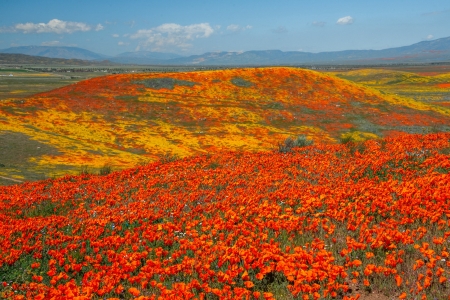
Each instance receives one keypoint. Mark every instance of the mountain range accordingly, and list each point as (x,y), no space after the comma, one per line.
(423,52)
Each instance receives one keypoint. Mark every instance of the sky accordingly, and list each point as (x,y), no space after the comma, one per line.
(188,27)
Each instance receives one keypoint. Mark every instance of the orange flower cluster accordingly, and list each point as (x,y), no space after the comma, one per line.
(444,85)
(310,223)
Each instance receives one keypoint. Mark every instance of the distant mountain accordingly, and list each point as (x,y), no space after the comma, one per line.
(423,52)
(56,52)
(143,57)
(22,59)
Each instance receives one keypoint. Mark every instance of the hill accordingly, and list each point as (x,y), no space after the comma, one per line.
(128,119)
(322,222)
(22,59)
(422,52)
(56,52)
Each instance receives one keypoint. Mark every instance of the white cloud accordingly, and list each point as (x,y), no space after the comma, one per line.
(319,23)
(122,43)
(345,21)
(115,35)
(172,35)
(53,26)
(99,27)
(233,27)
(237,28)
(430,37)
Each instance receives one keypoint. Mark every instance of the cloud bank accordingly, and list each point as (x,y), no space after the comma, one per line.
(171,35)
(55,26)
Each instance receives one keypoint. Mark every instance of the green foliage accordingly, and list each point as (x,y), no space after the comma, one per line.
(445,151)
(105,170)
(213,165)
(84,170)
(18,272)
(290,143)
(168,157)
(347,139)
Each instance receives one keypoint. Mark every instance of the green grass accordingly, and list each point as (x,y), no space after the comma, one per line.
(6,70)
(16,153)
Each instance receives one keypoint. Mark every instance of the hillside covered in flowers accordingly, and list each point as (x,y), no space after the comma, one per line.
(122,121)
(328,221)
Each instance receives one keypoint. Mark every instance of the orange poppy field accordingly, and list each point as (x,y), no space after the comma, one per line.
(319,222)
(207,199)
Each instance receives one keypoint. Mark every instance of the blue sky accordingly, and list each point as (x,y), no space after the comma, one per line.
(189,27)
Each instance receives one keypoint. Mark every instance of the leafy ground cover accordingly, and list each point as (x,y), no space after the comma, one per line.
(128,119)
(325,221)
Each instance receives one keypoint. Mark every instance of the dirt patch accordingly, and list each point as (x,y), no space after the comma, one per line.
(373,296)
(11,179)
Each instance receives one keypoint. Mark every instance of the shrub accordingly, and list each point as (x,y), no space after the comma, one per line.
(346,139)
(168,157)
(105,170)
(84,170)
(290,143)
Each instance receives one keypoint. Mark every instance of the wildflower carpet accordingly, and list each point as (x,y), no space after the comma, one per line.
(125,120)
(327,221)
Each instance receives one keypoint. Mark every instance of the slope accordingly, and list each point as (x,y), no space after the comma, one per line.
(125,120)
(322,222)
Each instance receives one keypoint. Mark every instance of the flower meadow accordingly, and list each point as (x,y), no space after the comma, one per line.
(325,221)
(124,120)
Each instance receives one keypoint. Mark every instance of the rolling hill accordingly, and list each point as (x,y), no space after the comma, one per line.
(129,119)
(23,59)
(422,52)
(56,52)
